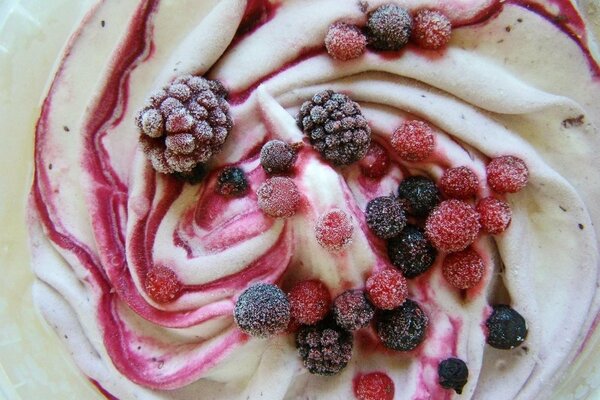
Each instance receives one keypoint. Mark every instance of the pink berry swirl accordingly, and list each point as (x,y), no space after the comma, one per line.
(517,78)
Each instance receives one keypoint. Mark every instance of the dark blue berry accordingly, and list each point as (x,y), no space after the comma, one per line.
(232,182)
(507,328)
(352,310)
(453,374)
(411,252)
(262,310)
(389,27)
(325,348)
(402,328)
(385,217)
(420,193)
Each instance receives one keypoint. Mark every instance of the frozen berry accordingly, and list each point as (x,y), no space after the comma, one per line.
(389,27)
(507,174)
(421,195)
(278,197)
(452,226)
(196,175)
(352,310)
(495,215)
(232,182)
(459,183)
(387,289)
(374,386)
(376,162)
(463,269)
(345,42)
(262,310)
(402,328)
(385,217)
(453,374)
(325,348)
(334,230)
(162,285)
(277,157)
(411,252)
(431,29)
(506,328)
(413,140)
(310,301)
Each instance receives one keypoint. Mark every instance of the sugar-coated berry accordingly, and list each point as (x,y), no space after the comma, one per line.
(162,284)
(352,310)
(277,157)
(278,197)
(507,174)
(262,310)
(376,162)
(411,252)
(459,183)
(334,230)
(413,140)
(387,289)
(345,42)
(310,301)
(507,328)
(402,328)
(431,29)
(453,374)
(385,216)
(232,182)
(452,226)
(325,348)
(463,269)
(374,386)
(421,195)
(494,215)
(389,27)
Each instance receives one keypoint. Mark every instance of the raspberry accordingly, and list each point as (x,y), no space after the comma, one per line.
(162,285)
(402,328)
(232,182)
(495,215)
(453,374)
(431,29)
(421,195)
(278,197)
(310,301)
(374,386)
(389,27)
(334,230)
(413,140)
(411,252)
(387,289)
(352,311)
(459,183)
(385,217)
(506,328)
(277,157)
(345,42)
(463,269)
(507,174)
(452,226)
(184,124)
(325,349)
(376,162)
(262,310)
(335,127)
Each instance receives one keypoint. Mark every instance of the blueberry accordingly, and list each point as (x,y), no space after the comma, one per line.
(385,217)
(411,252)
(507,328)
(453,374)
(232,182)
(262,310)
(402,328)
(421,194)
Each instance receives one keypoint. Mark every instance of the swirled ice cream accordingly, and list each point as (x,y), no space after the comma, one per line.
(517,78)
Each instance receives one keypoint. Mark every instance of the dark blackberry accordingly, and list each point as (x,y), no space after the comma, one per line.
(352,310)
(325,348)
(232,182)
(507,328)
(453,374)
(402,328)
(389,27)
(385,216)
(277,157)
(335,127)
(262,310)
(421,193)
(411,252)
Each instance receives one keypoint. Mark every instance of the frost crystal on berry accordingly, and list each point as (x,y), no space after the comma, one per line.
(431,29)
(345,42)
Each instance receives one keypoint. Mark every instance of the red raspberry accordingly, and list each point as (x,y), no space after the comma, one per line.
(334,230)
(452,225)
(376,162)
(459,183)
(463,269)
(345,42)
(494,215)
(507,174)
(278,197)
(162,285)
(374,386)
(413,141)
(310,301)
(431,29)
(387,289)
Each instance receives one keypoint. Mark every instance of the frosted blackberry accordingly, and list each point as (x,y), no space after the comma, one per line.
(453,374)
(352,310)
(335,127)
(389,27)
(277,157)
(325,348)
(385,217)
(507,328)
(232,182)
(262,310)
(402,328)
(421,194)
(411,252)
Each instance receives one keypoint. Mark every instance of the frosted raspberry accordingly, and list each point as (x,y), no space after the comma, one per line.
(431,29)
(459,183)
(334,230)
(463,269)
(352,311)
(262,310)
(374,386)
(387,289)
(310,301)
(507,174)
(162,285)
(345,42)
(495,215)
(413,140)
(278,197)
(376,162)
(277,157)
(452,226)
(389,27)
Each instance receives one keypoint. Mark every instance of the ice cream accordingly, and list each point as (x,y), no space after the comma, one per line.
(515,79)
